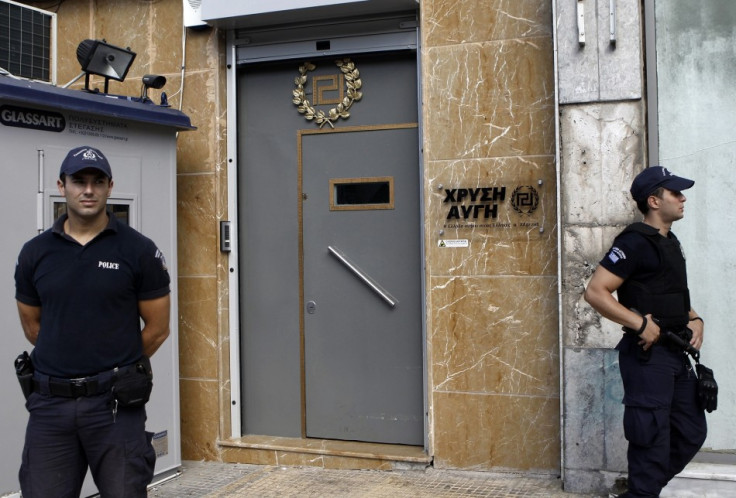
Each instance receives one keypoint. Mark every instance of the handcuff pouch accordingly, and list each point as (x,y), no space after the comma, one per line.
(132,385)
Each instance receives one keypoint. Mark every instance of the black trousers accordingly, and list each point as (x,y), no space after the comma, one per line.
(663,424)
(64,436)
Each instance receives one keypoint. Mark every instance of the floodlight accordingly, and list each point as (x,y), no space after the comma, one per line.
(108,61)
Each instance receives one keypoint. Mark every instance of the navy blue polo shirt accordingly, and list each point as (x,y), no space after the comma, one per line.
(89,296)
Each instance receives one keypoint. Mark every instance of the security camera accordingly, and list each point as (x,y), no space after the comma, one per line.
(151,81)
(154,81)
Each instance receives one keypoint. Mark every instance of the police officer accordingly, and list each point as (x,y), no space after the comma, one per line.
(663,423)
(82,288)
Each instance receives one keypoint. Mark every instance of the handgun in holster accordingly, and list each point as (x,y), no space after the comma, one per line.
(24,372)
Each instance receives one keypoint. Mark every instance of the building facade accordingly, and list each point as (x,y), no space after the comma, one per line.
(520,124)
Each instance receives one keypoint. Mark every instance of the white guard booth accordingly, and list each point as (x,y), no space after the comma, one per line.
(39,124)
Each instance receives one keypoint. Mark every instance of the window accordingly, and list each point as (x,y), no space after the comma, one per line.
(354,194)
(26,41)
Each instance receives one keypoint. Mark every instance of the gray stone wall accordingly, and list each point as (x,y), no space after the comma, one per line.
(602,126)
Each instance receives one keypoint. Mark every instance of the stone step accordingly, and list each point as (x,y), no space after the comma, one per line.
(703,480)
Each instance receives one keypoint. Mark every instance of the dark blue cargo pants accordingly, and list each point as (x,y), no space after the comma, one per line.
(663,423)
(65,435)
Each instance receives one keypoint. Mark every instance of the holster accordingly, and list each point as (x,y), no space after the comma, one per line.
(677,340)
(132,387)
(24,372)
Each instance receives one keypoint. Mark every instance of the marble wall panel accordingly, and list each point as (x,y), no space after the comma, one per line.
(615,444)
(492,349)
(205,50)
(516,242)
(126,24)
(594,438)
(166,35)
(487,432)
(198,335)
(198,152)
(73,25)
(197,225)
(621,65)
(450,22)
(583,402)
(199,409)
(492,99)
(599,70)
(578,74)
(495,335)
(583,481)
(602,149)
(583,247)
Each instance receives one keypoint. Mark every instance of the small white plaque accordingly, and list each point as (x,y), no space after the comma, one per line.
(453,243)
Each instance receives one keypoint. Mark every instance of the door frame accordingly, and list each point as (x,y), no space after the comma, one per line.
(236,41)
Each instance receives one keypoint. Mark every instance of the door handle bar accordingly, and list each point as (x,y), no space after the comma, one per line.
(383,293)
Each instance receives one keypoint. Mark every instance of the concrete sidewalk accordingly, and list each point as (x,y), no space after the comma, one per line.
(211,479)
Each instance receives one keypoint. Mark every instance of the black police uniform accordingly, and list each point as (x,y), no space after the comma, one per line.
(89,325)
(663,423)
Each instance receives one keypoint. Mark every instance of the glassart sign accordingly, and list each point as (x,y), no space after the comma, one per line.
(34,119)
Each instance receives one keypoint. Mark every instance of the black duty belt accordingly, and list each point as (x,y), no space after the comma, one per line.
(78,387)
(70,388)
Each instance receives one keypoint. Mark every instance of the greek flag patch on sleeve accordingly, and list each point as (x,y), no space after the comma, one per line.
(615,255)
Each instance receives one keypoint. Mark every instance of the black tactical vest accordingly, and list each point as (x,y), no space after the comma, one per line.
(664,294)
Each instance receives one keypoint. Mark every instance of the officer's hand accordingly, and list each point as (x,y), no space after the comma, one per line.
(697,328)
(650,334)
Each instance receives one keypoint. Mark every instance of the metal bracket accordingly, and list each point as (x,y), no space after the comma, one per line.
(581,23)
(612,16)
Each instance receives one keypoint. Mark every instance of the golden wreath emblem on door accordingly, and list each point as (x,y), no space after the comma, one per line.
(348,95)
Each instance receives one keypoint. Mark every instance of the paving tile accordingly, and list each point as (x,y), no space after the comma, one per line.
(220,480)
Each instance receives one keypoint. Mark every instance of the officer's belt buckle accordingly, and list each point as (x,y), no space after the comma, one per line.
(75,388)
(78,387)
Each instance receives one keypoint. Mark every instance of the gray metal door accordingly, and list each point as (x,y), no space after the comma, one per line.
(331,316)
(362,325)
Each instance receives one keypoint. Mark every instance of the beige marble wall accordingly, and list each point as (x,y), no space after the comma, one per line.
(492,338)
(203,269)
